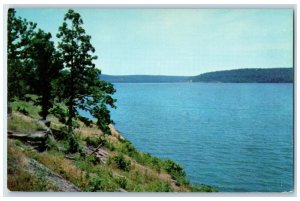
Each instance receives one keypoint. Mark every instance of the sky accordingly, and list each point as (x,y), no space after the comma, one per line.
(179,41)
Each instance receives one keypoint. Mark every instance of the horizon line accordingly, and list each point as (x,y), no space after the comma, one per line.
(191,75)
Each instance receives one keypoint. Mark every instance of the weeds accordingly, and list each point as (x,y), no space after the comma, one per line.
(121,162)
(21,123)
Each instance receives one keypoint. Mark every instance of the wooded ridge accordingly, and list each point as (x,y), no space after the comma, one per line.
(247,75)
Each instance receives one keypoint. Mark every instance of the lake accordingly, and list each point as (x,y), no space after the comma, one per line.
(237,137)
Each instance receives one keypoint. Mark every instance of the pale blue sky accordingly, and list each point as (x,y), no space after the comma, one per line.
(180,41)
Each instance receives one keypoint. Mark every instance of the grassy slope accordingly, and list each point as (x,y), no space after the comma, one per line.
(126,169)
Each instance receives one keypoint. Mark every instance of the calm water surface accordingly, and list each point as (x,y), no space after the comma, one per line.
(238,137)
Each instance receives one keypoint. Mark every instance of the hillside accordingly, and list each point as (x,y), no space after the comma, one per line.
(257,75)
(250,75)
(142,78)
(38,159)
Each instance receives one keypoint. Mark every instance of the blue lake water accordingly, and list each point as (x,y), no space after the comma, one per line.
(237,137)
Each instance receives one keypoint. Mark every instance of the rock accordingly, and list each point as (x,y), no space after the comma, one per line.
(62,184)
(37,139)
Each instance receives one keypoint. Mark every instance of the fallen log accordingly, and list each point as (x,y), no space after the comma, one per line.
(96,149)
(70,157)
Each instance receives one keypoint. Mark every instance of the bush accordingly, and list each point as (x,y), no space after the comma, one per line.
(92,141)
(95,184)
(176,172)
(203,188)
(156,164)
(122,163)
(18,143)
(109,145)
(73,143)
(60,112)
(87,122)
(160,186)
(22,110)
(122,181)
(52,144)
(27,108)
(172,167)
(127,147)
(93,159)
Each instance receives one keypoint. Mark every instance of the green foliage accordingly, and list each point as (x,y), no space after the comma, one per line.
(95,184)
(96,141)
(122,163)
(122,181)
(59,112)
(160,186)
(26,107)
(172,167)
(32,62)
(109,145)
(73,143)
(22,110)
(128,148)
(46,67)
(25,181)
(82,87)
(93,141)
(22,124)
(86,121)
(18,143)
(176,171)
(52,144)
(203,188)
(275,75)
(19,36)
(93,159)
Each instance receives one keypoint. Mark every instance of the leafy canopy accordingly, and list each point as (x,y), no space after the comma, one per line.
(82,87)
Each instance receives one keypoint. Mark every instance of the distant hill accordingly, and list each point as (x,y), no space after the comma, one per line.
(143,78)
(256,75)
(249,75)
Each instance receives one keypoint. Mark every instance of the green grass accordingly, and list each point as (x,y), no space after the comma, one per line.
(28,106)
(19,178)
(21,123)
(126,167)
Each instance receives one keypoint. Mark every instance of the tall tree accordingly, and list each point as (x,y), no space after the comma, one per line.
(19,35)
(82,87)
(47,65)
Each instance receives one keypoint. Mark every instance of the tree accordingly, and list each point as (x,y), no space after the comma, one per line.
(47,65)
(19,35)
(82,87)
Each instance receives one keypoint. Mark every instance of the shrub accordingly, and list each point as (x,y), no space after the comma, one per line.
(18,143)
(127,147)
(176,172)
(60,112)
(93,159)
(172,167)
(109,145)
(122,181)
(73,143)
(160,186)
(122,163)
(87,122)
(95,184)
(92,141)
(52,144)
(22,110)
(156,164)
(27,108)
(203,188)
